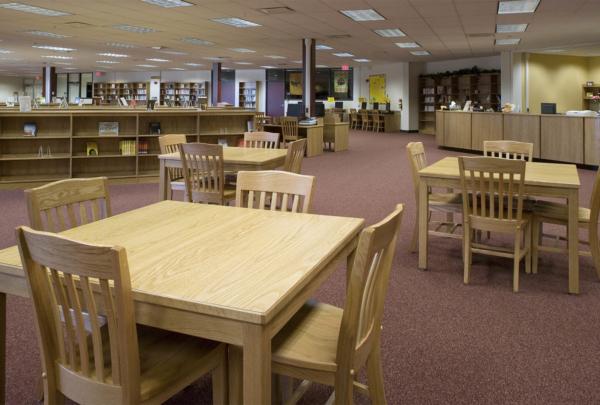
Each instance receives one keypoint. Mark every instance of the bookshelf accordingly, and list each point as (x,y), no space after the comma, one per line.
(180,92)
(60,148)
(110,92)
(248,95)
(441,89)
(590,91)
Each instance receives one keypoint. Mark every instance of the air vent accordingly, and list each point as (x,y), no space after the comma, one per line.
(339,36)
(77,24)
(276,10)
(480,35)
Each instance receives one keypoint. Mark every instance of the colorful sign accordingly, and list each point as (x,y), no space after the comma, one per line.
(377,93)
(340,82)
(295,83)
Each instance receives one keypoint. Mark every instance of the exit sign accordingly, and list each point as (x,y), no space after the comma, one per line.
(345,67)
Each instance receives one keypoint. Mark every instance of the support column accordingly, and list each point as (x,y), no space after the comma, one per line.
(48,82)
(215,85)
(308,73)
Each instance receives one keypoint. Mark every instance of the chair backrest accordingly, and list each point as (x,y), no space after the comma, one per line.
(508,150)
(417,159)
(261,139)
(69,279)
(295,156)
(491,187)
(289,128)
(259,121)
(274,190)
(364,115)
(203,172)
(170,144)
(65,204)
(367,288)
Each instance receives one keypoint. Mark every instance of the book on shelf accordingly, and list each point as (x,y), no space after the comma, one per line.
(91,149)
(143,147)
(30,129)
(154,128)
(127,148)
(108,128)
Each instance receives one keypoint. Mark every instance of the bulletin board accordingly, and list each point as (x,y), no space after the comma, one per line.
(377,91)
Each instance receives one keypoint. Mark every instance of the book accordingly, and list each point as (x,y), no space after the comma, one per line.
(108,128)
(155,128)
(30,129)
(127,148)
(91,149)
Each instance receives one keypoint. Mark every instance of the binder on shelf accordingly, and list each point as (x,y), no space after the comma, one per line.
(91,149)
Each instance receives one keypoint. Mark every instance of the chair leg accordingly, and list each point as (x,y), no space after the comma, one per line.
(219,382)
(535,243)
(415,236)
(516,261)
(467,233)
(528,248)
(375,376)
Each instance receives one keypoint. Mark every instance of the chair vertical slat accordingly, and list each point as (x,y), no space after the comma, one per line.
(83,217)
(98,349)
(69,340)
(501,195)
(284,201)
(474,196)
(71,215)
(274,201)
(80,333)
(60,218)
(95,210)
(60,336)
(482,193)
(109,308)
(511,178)
(295,203)
(261,201)
(251,199)
(492,194)
(49,221)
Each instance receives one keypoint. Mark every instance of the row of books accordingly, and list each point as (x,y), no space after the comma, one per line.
(126,148)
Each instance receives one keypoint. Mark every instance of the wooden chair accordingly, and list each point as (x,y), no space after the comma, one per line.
(376,121)
(365,120)
(274,190)
(289,129)
(508,150)
(203,174)
(295,156)
(265,140)
(556,213)
(170,144)
(259,121)
(122,364)
(65,204)
(354,121)
(330,345)
(449,203)
(491,187)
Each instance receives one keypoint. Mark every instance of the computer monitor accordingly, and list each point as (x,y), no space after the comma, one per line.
(376,106)
(339,104)
(548,108)
(319,109)
(295,110)
(363,106)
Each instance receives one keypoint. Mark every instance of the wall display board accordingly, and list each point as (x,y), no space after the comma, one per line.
(377,91)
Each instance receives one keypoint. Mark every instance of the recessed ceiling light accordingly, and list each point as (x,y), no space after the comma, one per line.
(508,41)
(193,64)
(517,6)
(420,53)
(57,57)
(213,58)
(110,62)
(274,57)
(157,47)
(362,60)
(46,34)
(157,60)
(242,50)
(177,68)
(119,45)
(5,51)
(343,54)
(147,66)
(62,63)
(113,55)
(390,33)
(168,3)
(407,44)
(321,66)
(507,28)
(236,22)
(174,52)
(54,48)
(133,28)
(26,8)
(363,15)
(71,68)
(242,63)
(197,41)
(296,61)
(322,47)
(268,67)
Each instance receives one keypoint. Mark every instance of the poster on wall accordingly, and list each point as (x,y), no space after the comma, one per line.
(340,82)
(377,92)
(295,83)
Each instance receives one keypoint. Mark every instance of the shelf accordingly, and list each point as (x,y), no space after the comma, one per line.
(221,134)
(153,154)
(101,156)
(33,156)
(91,135)
(33,178)
(16,137)
(113,175)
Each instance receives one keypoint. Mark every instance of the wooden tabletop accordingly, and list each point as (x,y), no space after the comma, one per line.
(235,263)
(299,125)
(243,156)
(536,173)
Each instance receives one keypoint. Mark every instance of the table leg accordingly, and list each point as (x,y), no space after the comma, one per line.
(573,204)
(423,224)
(257,365)
(235,371)
(162,182)
(2,348)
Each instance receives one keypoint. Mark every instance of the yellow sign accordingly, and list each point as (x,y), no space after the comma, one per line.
(331,99)
(295,83)
(377,92)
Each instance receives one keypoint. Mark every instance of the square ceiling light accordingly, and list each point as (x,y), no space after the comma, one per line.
(407,45)
(26,8)
(363,15)
(390,33)
(236,22)
(508,41)
(420,53)
(168,3)
(322,47)
(517,6)
(510,28)
(133,28)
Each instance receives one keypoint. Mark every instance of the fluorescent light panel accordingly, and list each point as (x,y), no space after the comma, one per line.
(26,8)
(242,63)
(197,41)
(107,61)
(274,57)
(113,55)
(168,3)
(508,28)
(363,15)
(147,66)
(193,64)
(343,54)
(508,41)
(46,34)
(54,48)
(321,66)
(119,45)
(517,6)
(420,53)
(4,51)
(57,57)
(269,67)
(176,68)
(236,22)
(157,60)
(134,28)
(390,33)
(242,50)
(407,44)
(174,52)
(362,60)
(322,47)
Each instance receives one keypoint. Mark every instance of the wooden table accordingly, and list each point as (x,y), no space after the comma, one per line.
(233,275)
(337,133)
(541,180)
(234,160)
(312,133)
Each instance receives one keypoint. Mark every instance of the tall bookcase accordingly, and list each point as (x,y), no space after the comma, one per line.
(180,92)
(110,92)
(248,95)
(590,91)
(441,89)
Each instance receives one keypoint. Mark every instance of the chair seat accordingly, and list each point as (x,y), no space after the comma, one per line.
(559,212)
(310,338)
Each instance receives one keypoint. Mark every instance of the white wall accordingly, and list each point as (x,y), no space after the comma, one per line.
(8,85)
(487,62)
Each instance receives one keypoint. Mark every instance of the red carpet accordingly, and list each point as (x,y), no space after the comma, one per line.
(443,342)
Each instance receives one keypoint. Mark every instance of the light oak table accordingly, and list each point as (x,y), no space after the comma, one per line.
(234,160)
(541,180)
(312,133)
(233,275)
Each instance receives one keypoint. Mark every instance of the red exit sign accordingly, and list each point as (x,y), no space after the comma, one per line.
(345,67)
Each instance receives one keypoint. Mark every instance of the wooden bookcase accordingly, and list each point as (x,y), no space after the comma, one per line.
(63,137)
(588,103)
(110,92)
(248,95)
(179,92)
(439,89)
